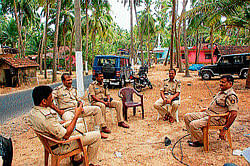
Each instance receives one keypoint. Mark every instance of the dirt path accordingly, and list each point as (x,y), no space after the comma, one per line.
(142,144)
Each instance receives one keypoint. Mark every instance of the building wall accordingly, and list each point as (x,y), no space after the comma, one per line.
(27,75)
(202,59)
(2,73)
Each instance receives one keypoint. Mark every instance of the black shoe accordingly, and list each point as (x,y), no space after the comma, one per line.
(78,162)
(188,141)
(195,144)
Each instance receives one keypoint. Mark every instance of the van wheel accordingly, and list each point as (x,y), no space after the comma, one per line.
(244,74)
(206,75)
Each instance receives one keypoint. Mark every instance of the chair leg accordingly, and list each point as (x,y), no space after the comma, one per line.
(55,161)
(177,117)
(86,160)
(134,111)
(229,138)
(205,139)
(125,113)
(46,157)
(142,112)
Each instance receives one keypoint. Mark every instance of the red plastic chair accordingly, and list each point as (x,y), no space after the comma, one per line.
(127,101)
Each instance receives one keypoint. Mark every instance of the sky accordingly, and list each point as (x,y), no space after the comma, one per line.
(121,14)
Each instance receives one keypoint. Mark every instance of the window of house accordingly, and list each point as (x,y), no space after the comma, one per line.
(208,56)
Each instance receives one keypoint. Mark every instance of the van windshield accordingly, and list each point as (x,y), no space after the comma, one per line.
(104,61)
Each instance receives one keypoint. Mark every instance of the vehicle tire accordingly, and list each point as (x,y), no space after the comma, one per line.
(137,87)
(206,75)
(244,74)
(150,86)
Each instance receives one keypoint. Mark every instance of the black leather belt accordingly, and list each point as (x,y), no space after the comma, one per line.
(54,147)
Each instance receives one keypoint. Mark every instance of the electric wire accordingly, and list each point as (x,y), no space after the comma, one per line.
(181,161)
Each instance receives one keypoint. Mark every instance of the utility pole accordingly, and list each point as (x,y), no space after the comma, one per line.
(131,25)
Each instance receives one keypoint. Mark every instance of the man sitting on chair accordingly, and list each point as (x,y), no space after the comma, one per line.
(225,101)
(66,99)
(101,97)
(169,95)
(45,120)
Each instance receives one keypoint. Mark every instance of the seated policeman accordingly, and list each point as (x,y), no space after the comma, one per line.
(45,120)
(66,99)
(225,101)
(101,97)
(169,95)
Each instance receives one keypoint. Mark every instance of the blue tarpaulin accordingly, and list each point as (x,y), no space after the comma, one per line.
(195,67)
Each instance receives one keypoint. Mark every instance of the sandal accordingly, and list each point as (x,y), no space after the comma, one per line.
(78,162)
(171,119)
(166,117)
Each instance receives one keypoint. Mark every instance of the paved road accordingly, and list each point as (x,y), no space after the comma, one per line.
(16,104)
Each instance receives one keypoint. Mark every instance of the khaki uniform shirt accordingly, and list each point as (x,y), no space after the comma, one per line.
(45,120)
(66,99)
(171,87)
(223,102)
(98,90)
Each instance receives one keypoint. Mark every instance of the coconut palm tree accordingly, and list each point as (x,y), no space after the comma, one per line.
(55,50)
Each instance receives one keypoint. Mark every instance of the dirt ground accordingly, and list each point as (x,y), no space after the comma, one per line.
(143,142)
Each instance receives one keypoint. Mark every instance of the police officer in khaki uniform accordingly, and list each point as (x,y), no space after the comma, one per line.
(225,101)
(169,95)
(66,100)
(101,97)
(45,120)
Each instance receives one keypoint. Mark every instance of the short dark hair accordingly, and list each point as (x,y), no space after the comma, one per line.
(172,70)
(97,73)
(229,78)
(39,93)
(63,76)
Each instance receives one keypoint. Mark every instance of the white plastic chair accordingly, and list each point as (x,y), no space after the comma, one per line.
(108,108)
(177,111)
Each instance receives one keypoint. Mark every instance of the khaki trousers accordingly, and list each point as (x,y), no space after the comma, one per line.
(163,108)
(196,121)
(91,139)
(88,111)
(114,104)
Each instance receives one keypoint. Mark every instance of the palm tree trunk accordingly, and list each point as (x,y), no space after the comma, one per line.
(237,38)
(187,74)
(19,28)
(179,47)
(45,39)
(140,35)
(70,53)
(199,49)
(166,60)
(211,44)
(197,45)
(55,51)
(172,36)
(87,38)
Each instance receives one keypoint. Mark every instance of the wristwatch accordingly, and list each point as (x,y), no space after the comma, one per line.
(225,128)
